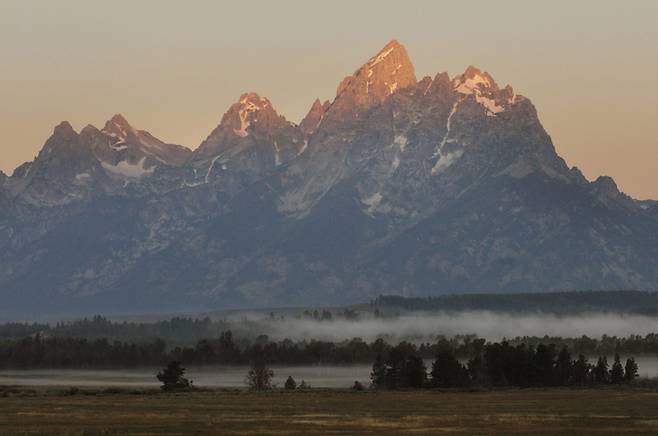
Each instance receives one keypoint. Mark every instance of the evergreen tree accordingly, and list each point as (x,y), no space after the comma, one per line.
(378,374)
(581,371)
(543,364)
(617,371)
(290,384)
(563,367)
(172,377)
(477,370)
(601,372)
(630,370)
(495,363)
(415,372)
(447,371)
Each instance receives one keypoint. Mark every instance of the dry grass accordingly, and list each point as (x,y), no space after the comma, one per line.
(557,411)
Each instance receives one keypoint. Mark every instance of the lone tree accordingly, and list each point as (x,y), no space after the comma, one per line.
(172,377)
(290,384)
(259,377)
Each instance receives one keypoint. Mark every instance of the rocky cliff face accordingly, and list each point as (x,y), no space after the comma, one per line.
(398,186)
(312,120)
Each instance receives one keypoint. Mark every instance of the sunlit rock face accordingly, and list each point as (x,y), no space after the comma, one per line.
(397,186)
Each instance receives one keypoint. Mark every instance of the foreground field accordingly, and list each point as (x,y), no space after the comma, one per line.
(603,411)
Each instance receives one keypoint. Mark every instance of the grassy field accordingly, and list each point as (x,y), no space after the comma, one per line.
(559,411)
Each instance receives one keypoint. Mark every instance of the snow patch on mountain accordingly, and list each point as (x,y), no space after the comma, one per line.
(304,147)
(210,167)
(249,105)
(446,160)
(128,170)
(381,56)
(277,154)
(484,89)
(400,141)
(372,202)
(396,163)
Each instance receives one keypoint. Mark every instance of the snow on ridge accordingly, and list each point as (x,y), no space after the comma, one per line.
(472,84)
(247,107)
(490,104)
(119,146)
(380,57)
(483,89)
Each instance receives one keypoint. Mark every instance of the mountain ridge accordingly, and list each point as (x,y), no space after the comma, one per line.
(397,186)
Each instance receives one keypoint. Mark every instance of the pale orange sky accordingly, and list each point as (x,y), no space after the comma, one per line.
(173,68)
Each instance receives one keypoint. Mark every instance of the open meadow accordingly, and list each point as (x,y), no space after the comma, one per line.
(240,412)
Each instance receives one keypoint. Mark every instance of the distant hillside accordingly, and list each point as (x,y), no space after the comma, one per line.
(635,302)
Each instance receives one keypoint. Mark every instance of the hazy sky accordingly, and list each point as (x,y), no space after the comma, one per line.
(173,68)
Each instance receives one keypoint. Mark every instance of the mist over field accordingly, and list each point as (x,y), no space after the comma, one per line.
(421,327)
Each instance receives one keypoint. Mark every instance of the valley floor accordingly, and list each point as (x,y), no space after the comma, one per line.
(525,411)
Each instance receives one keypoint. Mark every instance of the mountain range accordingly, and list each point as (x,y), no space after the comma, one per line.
(399,185)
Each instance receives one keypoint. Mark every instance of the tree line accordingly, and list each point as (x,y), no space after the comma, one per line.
(56,352)
(498,364)
(176,330)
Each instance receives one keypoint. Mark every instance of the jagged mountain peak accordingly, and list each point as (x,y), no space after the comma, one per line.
(120,120)
(314,116)
(251,138)
(250,109)
(389,70)
(605,187)
(606,190)
(89,129)
(249,99)
(382,75)
(118,127)
(64,130)
(385,190)
(474,79)
(485,90)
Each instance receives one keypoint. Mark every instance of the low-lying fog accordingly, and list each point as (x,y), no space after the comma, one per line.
(319,376)
(421,327)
